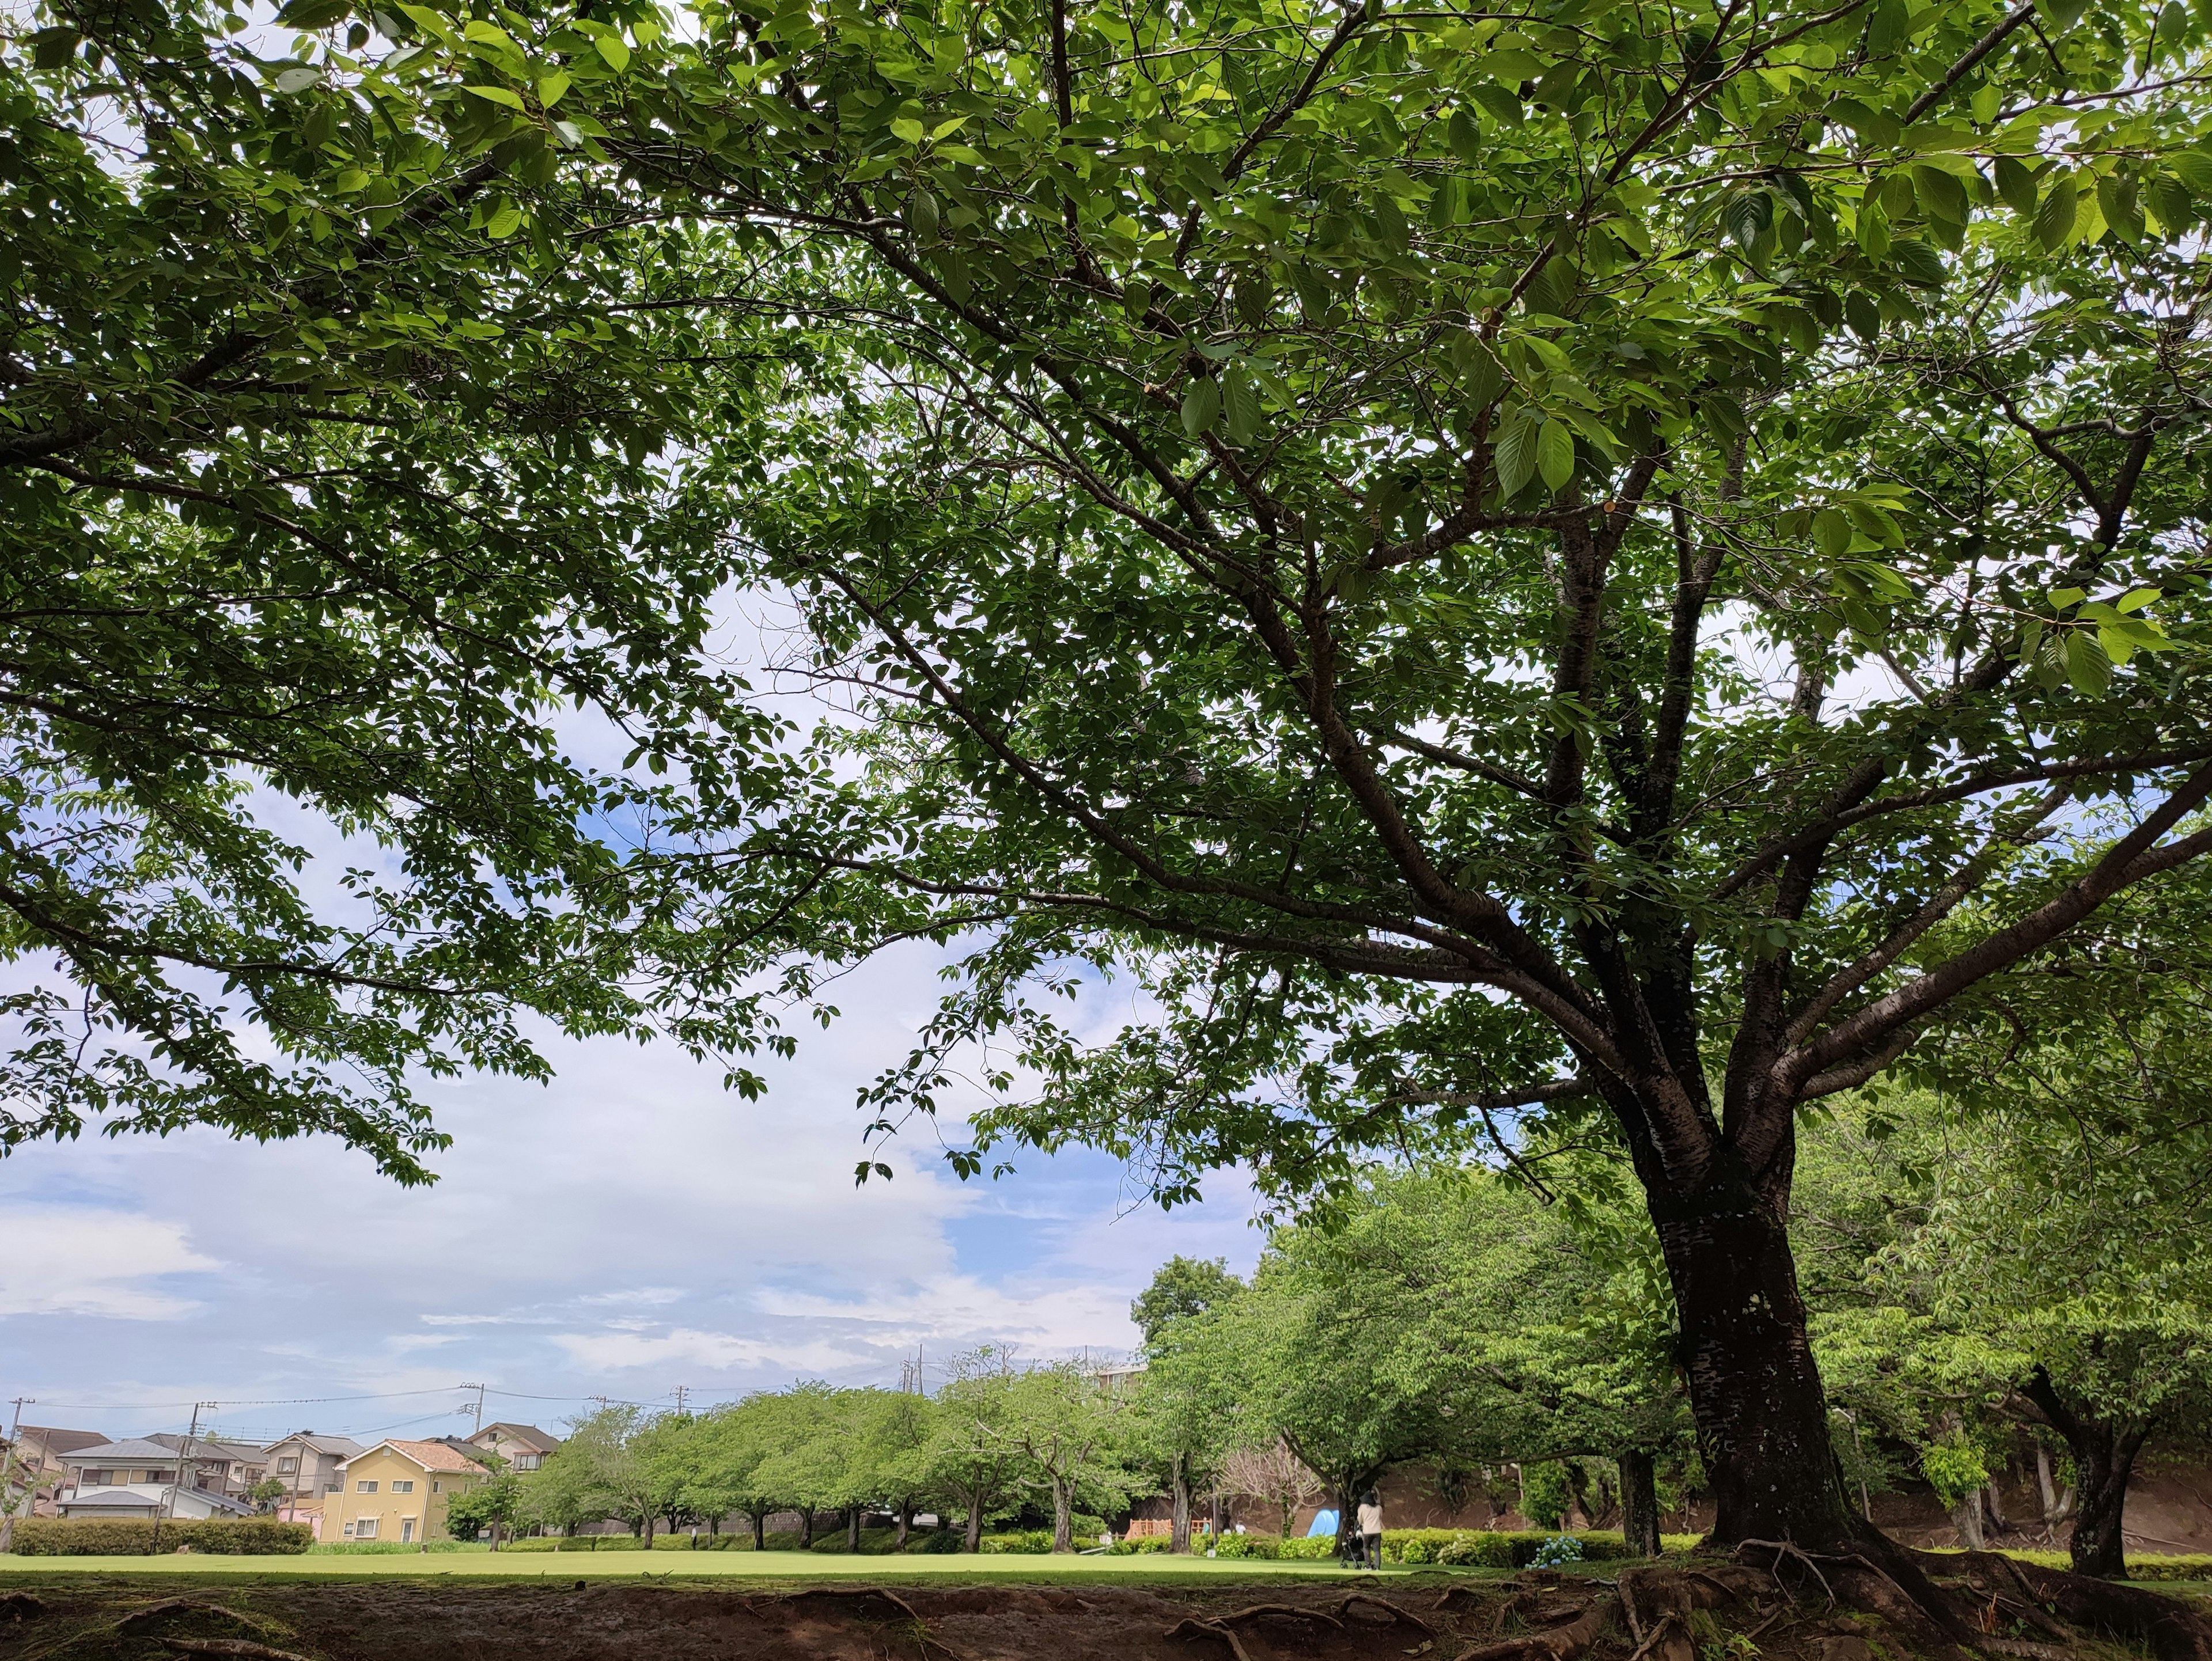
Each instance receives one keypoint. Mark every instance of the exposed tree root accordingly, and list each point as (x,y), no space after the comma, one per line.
(1344,1607)
(21,1606)
(1560,1643)
(244,1648)
(2170,1629)
(1274,1611)
(919,1629)
(1193,1627)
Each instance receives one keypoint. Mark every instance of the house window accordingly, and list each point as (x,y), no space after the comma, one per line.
(433,1485)
(526,1461)
(287,1466)
(403,1485)
(364,1487)
(95,1478)
(364,1529)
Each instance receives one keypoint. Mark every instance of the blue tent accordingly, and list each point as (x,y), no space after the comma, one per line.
(1324,1522)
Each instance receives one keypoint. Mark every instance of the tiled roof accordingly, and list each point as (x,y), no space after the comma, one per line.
(343,1446)
(530,1437)
(134,1449)
(431,1455)
(65,1442)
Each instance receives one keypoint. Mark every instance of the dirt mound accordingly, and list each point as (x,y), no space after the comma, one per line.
(1785,1606)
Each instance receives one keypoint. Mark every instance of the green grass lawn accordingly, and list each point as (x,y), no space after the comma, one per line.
(715,1565)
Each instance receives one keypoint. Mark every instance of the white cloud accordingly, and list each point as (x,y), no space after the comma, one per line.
(620,1351)
(64,1260)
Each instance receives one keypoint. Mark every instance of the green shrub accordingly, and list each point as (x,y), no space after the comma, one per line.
(940,1542)
(133,1537)
(1034,1543)
(1250,1545)
(1492,1547)
(1138,1545)
(391,1548)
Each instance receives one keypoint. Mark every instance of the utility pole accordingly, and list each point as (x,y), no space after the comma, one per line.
(7,1472)
(479,1389)
(168,1512)
(682,1392)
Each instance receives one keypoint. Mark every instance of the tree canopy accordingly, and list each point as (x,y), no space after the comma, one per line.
(1603,562)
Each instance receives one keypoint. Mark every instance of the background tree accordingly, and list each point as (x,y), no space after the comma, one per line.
(973,1460)
(1188,1407)
(1275,484)
(1270,1472)
(893,1442)
(611,1461)
(1071,1432)
(492,1508)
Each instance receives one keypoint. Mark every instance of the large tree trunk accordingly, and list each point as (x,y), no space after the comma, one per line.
(1761,1415)
(1179,1530)
(1063,1516)
(852,1531)
(2103,1459)
(2103,1462)
(806,1527)
(1639,1502)
(905,1524)
(760,1531)
(974,1526)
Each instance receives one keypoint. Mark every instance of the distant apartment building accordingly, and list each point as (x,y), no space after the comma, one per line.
(218,1466)
(397,1490)
(309,1465)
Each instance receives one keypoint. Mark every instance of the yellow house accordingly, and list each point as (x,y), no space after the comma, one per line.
(398,1491)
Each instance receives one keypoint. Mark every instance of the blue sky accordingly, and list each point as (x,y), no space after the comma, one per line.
(628,1230)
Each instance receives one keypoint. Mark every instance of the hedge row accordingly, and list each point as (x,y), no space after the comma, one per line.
(2181,1566)
(133,1537)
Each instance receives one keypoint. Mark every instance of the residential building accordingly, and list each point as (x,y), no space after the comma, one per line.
(308,1464)
(37,1462)
(525,1447)
(218,1466)
(165,1500)
(397,1490)
(133,1461)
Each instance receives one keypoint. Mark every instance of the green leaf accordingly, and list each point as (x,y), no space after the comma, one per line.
(1940,194)
(551,87)
(2087,665)
(2062,15)
(505,95)
(2054,220)
(907,129)
(1515,458)
(1918,263)
(921,217)
(614,49)
(1832,533)
(1240,402)
(310,15)
(2016,184)
(1555,454)
(2170,199)
(1201,405)
(1747,216)
(53,47)
(299,78)
(1863,312)
(503,222)
(1874,230)
(1464,136)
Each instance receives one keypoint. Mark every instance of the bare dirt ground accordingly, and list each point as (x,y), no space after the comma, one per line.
(1719,1611)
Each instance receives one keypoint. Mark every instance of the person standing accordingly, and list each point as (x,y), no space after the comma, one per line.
(1371,1528)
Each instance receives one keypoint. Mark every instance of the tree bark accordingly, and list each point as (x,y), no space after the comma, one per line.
(1063,1516)
(760,1531)
(975,1536)
(1761,1414)
(2103,1459)
(806,1527)
(905,1524)
(1967,1515)
(1639,1502)
(852,1531)
(1179,1486)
